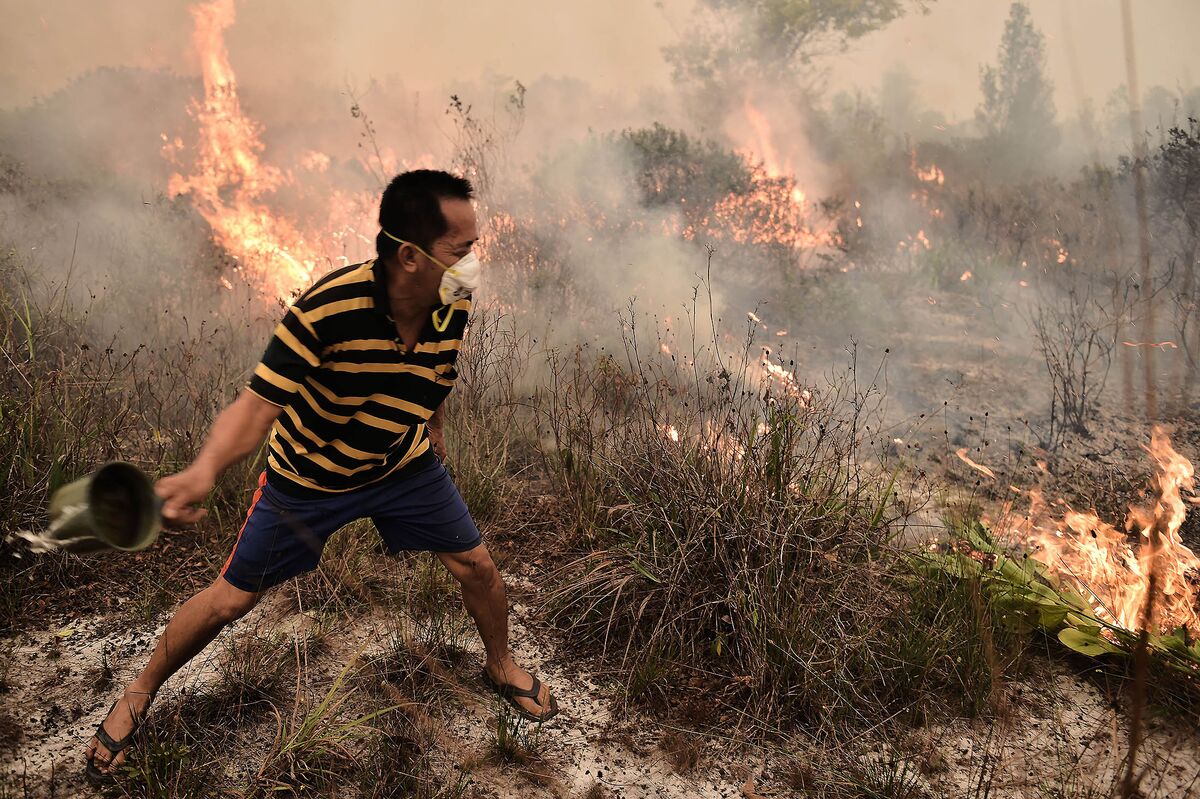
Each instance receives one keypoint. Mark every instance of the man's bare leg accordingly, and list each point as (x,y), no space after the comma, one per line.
(486,601)
(193,627)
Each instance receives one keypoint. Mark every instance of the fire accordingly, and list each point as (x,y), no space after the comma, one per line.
(979,467)
(784,378)
(776,210)
(229,182)
(1115,573)
(931,175)
(764,146)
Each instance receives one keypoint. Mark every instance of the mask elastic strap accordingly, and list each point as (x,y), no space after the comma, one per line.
(445,323)
(415,247)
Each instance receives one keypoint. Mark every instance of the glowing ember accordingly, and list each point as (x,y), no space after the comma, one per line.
(931,174)
(979,467)
(1161,345)
(1114,570)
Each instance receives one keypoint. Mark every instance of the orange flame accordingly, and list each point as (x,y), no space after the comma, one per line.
(764,146)
(979,467)
(229,182)
(776,210)
(1112,571)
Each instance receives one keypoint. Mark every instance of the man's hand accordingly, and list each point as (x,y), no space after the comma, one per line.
(237,431)
(181,492)
(438,442)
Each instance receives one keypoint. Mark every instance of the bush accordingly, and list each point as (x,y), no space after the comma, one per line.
(734,523)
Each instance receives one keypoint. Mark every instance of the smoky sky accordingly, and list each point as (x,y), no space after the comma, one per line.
(1085,54)
(611,45)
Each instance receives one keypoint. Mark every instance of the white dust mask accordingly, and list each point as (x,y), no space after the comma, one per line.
(460,279)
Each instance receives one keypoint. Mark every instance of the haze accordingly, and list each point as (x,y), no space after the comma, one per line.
(614,45)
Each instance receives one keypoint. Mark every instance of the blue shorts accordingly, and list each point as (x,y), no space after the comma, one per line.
(284,535)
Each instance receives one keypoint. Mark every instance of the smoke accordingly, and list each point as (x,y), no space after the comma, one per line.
(612,46)
(942,50)
(96,120)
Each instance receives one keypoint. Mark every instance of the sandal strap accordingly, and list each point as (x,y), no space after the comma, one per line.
(112,746)
(508,690)
(511,693)
(532,692)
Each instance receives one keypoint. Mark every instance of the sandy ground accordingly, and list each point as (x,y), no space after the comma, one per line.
(1059,735)
(57,694)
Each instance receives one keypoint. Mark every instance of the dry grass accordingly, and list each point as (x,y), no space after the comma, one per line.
(756,545)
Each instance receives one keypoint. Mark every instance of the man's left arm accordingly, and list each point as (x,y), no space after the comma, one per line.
(437,438)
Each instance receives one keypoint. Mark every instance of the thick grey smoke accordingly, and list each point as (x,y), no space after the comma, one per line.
(85,101)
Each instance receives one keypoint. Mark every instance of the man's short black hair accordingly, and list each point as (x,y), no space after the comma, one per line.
(411,208)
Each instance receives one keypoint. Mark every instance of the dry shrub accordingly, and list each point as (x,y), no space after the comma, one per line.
(483,413)
(736,533)
(74,394)
(683,751)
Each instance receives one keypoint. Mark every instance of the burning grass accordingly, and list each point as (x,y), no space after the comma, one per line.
(1095,586)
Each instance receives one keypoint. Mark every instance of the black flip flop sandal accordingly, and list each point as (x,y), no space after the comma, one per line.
(511,693)
(94,775)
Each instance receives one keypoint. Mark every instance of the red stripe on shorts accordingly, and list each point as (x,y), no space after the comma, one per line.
(262,481)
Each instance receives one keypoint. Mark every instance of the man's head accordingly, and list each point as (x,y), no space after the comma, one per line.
(432,210)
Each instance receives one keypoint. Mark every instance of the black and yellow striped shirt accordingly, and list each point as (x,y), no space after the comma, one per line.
(355,400)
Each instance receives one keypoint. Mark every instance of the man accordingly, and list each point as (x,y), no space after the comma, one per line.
(350,389)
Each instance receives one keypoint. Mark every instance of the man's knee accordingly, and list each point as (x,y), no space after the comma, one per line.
(229,603)
(473,568)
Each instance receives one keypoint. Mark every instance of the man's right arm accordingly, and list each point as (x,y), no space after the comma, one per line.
(237,432)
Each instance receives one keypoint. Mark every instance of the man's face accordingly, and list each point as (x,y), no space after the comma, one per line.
(461,233)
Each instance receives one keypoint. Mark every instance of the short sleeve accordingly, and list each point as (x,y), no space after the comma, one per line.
(292,354)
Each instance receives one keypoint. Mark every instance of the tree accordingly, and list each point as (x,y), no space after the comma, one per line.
(734,44)
(1017,112)
(1175,205)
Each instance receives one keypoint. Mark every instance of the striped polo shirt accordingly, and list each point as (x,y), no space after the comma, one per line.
(355,400)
